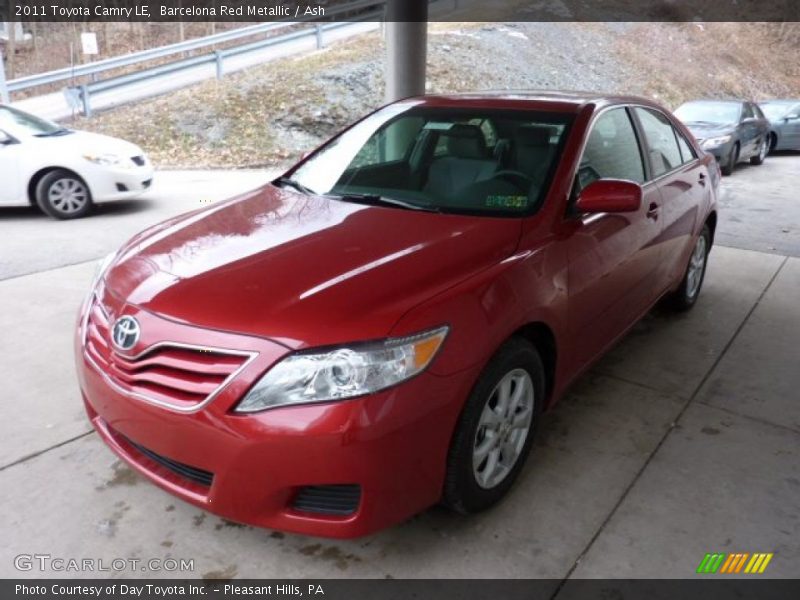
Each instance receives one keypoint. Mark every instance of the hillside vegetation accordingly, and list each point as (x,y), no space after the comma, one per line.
(270,114)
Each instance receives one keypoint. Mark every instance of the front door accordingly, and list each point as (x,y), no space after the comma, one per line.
(9,169)
(613,258)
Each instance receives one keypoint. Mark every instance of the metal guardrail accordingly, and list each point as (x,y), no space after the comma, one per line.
(82,94)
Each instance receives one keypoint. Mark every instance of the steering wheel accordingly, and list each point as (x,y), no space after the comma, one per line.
(518,178)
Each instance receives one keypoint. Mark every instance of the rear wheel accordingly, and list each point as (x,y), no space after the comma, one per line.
(496,429)
(686,295)
(763,150)
(731,160)
(63,195)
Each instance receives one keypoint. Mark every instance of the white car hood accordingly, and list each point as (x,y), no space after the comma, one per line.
(96,144)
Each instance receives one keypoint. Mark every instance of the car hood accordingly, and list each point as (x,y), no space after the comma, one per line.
(703,131)
(84,142)
(303,270)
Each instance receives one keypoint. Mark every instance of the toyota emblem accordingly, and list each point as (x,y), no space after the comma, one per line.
(125,333)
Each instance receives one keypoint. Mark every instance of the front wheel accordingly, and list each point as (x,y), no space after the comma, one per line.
(63,195)
(686,295)
(763,150)
(495,432)
(730,162)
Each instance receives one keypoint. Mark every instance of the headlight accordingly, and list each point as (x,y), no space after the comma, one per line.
(343,372)
(106,160)
(717,141)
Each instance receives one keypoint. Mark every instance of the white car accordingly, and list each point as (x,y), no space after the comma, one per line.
(64,171)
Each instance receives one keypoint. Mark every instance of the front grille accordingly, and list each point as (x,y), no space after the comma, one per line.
(166,373)
(204,478)
(339,499)
(138,160)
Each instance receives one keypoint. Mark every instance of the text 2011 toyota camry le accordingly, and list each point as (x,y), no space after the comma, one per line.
(379,329)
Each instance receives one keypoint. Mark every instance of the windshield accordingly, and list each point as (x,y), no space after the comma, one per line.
(496,162)
(775,110)
(21,122)
(716,113)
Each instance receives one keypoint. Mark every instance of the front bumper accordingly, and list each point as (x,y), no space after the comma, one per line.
(721,153)
(109,183)
(392,444)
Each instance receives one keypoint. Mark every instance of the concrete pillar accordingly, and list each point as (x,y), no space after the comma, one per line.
(406,48)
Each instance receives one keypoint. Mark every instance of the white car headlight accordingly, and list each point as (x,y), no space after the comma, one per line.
(716,141)
(106,160)
(344,372)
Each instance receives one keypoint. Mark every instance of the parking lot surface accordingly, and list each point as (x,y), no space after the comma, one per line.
(684,440)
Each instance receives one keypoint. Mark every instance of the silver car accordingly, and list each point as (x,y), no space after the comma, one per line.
(784,118)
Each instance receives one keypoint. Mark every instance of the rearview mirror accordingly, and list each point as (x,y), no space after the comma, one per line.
(610,196)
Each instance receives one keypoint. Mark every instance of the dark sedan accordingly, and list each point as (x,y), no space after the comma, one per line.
(731,130)
(784,116)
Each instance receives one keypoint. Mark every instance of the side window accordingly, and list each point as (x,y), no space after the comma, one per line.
(489,132)
(393,143)
(747,113)
(759,114)
(660,137)
(687,152)
(612,150)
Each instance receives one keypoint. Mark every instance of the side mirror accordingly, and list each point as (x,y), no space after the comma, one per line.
(6,139)
(610,196)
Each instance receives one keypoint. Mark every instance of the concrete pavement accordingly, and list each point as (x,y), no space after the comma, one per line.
(32,242)
(683,440)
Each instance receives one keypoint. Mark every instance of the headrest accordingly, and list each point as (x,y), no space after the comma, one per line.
(534,135)
(465,141)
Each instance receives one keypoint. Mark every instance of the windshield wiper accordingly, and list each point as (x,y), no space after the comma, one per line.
(293,183)
(54,133)
(376,200)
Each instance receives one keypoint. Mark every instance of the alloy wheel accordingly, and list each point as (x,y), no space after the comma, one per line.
(697,266)
(503,428)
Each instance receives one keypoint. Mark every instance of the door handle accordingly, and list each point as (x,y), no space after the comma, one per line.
(702,179)
(652,211)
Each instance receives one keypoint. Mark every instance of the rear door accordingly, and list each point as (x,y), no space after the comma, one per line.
(792,128)
(683,182)
(613,258)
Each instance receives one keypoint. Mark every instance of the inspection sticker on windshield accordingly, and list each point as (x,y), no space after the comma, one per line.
(507,201)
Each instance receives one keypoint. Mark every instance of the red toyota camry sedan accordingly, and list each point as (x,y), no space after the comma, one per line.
(379,329)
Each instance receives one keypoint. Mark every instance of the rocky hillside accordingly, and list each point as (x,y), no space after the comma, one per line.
(270,114)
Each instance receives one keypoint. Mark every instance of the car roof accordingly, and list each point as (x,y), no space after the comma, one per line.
(566,101)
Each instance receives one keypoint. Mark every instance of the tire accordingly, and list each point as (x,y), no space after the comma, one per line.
(773,142)
(471,484)
(63,195)
(763,150)
(730,163)
(686,295)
